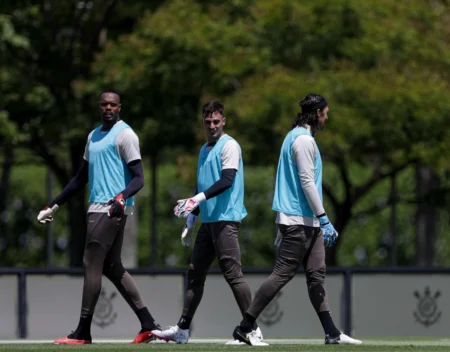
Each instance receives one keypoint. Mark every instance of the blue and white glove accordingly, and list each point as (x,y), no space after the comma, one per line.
(186,206)
(186,235)
(329,234)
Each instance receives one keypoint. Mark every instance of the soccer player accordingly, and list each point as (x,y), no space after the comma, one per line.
(220,199)
(113,170)
(303,225)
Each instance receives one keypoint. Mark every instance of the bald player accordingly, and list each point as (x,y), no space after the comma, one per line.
(112,168)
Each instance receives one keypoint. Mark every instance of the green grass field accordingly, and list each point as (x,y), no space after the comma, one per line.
(372,345)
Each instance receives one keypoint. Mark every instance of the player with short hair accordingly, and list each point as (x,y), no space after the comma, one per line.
(220,199)
(112,168)
(303,225)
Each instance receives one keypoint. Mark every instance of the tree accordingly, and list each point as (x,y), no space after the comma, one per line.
(64,38)
(381,117)
(162,84)
(10,40)
(382,66)
(260,57)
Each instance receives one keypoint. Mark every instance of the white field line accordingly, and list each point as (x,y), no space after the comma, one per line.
(404,341)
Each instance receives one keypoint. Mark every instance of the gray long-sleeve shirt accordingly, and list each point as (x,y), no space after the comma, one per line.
(303,153)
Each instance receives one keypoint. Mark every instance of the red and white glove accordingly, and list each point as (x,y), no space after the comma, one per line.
(186,206)
(45,216)
(117,208)
(186,235)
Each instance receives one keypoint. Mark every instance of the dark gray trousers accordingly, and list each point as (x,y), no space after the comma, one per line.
(216,240)
(301,245)
(102,255)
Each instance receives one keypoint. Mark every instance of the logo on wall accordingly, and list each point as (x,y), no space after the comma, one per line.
(273,313)
(104,314)
(427,310)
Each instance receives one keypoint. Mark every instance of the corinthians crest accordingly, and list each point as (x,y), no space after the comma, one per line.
(104,314)
(427,310)
(273,313)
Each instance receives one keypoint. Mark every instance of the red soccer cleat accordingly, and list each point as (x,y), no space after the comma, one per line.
(143,337)
(68,341)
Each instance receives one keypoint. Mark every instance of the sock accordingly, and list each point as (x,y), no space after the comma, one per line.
(247,323)
(83,330)
(328,324)
(185,322)
(146,319)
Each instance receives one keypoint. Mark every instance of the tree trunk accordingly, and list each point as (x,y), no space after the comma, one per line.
(153,203)
(49,237)
(77,213)
(8,160)
(426,216)
(393,222)
(342,213)
(77,225)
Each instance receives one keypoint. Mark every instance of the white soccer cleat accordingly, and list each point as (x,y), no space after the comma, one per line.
(256,338)
(342,339)
(173,333)
(237,342)
(259,333)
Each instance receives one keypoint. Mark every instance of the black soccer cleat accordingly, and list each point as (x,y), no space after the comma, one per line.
(331,340)
(241,336)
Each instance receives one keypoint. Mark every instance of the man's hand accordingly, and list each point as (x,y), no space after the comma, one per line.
(45,216)
(186,206)
(186,235)
(117,206)
(330,235)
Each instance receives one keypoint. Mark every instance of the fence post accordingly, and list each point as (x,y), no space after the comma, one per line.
(348,302)
(22,305)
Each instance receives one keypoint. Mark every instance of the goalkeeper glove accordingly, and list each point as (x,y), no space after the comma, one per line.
(117,208)
(186,206)
(45,216)
(330,235)
(186,235)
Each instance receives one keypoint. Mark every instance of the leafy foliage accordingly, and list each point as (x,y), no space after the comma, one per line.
(383,67)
